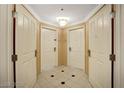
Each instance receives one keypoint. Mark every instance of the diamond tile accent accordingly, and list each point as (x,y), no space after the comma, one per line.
(63,77)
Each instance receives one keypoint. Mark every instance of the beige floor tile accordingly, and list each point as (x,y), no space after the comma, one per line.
(79,81)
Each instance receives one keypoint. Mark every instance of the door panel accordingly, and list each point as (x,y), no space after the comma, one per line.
(76,48)
(25,48)
(6,64)
(49,49)
(100,47)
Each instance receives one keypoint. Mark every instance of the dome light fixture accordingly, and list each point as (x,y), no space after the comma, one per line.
(62,21)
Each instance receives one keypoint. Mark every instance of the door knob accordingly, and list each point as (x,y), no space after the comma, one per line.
(54,49)
(89,53)
(35,53)
(54,39)
(70,49)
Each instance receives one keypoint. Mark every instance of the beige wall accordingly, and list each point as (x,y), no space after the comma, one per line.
(62,47)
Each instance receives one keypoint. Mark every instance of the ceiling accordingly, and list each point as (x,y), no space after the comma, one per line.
(48,12)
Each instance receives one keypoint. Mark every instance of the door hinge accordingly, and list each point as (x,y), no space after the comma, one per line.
(14,57)
(14,14)
(35,53)
(112,57)
(113,14)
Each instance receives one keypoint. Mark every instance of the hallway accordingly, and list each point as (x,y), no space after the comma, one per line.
(61,45)
(63,77)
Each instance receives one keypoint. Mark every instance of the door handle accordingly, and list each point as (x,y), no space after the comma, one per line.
(54,49)
(70,49)
(89,53)
(35,53)
(54,39)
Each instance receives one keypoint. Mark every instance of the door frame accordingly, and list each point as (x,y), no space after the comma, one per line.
(117,63)
(76,27)
(112,45)
(14,46)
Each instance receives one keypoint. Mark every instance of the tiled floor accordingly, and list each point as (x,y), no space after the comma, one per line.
(71,77)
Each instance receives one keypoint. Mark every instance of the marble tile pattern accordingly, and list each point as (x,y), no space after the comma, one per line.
(78,80)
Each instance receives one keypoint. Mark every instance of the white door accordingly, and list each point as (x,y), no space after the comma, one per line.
(100,47)
(25,48)
(76,48)
(49,48)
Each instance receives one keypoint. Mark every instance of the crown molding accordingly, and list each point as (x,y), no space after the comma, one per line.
(37,16)
(95,10)
(69,25)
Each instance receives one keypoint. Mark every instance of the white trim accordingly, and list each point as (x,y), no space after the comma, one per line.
(10,46)
(117,47)
(121,64)
(85,19)
(95,10)
(31,11)
(37,16)
(90,14)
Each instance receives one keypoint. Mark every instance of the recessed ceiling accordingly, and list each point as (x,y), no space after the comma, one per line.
(48,12)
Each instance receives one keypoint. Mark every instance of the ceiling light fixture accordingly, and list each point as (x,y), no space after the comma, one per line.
(62,21)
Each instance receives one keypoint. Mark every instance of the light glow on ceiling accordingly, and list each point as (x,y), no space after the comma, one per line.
(62,21)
